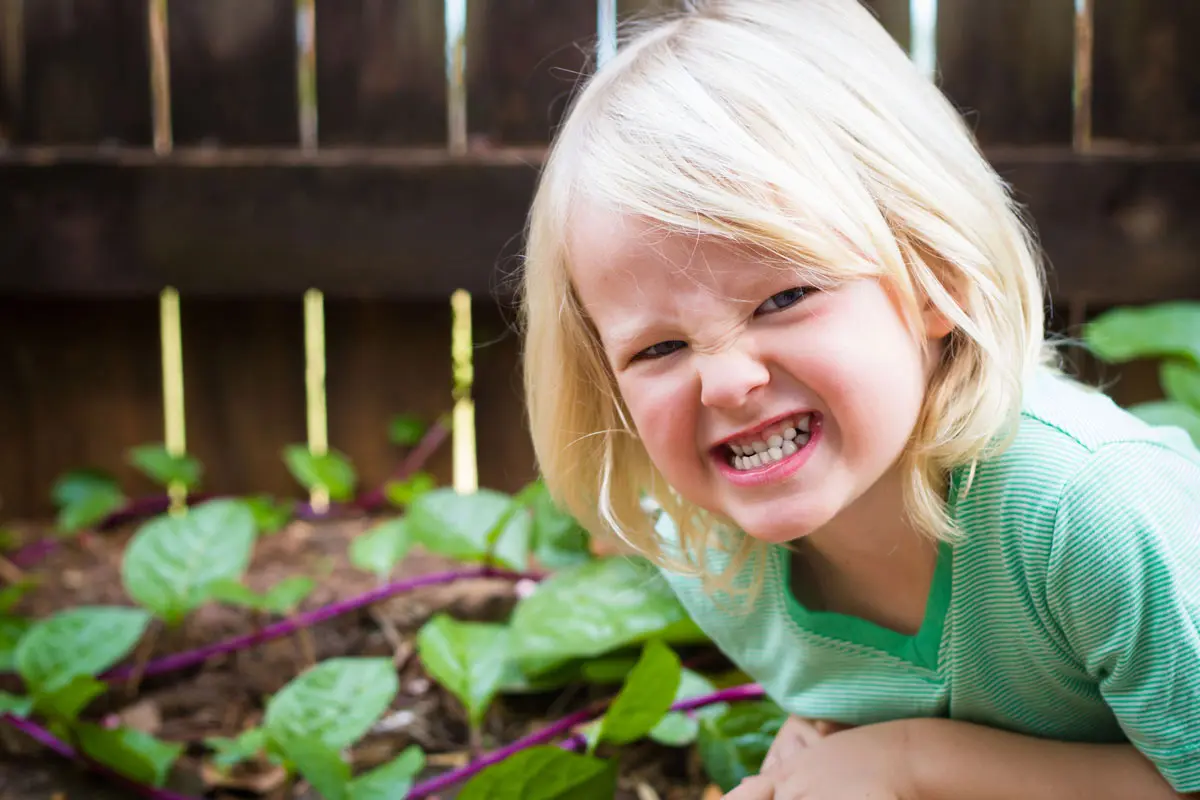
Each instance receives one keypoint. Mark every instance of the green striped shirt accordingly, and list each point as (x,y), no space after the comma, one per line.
(1069,609)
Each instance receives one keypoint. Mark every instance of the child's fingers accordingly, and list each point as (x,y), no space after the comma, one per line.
(828,728)
(755,787)
(795,735)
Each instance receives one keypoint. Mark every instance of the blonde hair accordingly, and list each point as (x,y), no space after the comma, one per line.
(798,128)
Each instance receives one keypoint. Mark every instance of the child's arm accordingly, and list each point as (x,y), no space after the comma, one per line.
(961,761)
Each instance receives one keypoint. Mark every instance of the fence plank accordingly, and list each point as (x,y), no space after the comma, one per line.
(381,71)
(233,71)
(74,71)
(1008,66)
(1115,227)
(79,385)
(524,58)
(896,17)
(1147,78)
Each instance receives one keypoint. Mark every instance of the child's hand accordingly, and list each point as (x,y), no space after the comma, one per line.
(796,734)
(868,762)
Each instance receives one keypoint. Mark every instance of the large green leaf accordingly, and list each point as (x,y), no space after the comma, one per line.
(558,540)
(336,701)
(75,642)
(544,773)
(332,470)
(1181,382)
(1170,329)
(172,560)
(733,745)
(645,698)
(467,658)
(130,752)
(381,548)
(390,781)
(157,464)
(282,598)
(67,700)
(321,765)
(18,706)
(1170,413)
(593,608)
(11,631)
(464,527)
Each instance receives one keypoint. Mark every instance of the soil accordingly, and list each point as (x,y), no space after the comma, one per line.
(227,694)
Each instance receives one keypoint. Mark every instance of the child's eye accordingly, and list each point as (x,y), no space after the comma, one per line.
(659,350)
(780,301)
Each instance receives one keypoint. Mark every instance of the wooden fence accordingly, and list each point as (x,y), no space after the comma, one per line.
(243,151)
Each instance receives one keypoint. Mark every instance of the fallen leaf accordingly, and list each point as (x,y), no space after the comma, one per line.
(257,777)
(142,716)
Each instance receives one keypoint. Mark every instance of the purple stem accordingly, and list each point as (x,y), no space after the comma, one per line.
(285,627)
(750,691)
(50,741)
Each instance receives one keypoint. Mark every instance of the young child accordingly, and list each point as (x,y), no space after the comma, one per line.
(773,288)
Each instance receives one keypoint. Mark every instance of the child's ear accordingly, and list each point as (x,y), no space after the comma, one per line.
(937,325)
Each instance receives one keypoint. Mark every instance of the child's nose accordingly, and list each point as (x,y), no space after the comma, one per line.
(729,379)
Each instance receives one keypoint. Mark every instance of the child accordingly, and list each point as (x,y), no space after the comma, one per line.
(773,288)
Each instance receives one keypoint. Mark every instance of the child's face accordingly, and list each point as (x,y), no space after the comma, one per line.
(711,347)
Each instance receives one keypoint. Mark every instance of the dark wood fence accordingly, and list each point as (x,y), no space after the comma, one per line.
(140,152)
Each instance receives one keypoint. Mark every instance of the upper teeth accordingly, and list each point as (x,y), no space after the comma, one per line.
(774,443)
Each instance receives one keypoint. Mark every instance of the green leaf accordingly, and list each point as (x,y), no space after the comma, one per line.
(230,752)
(172,560)
(678,729)
(1170,414)
(544,773)
(406,430)
(337,701)
(558,540)
(13,593)
(1181,382)
(321,765)
(402,493)
(332,470)
(733,745)
(17,706)
(269,515)
(279,599)
(594,608)
(11,631)
(381,548)
(77,641)
(67,701)
(84,498)
(389,781)
(608,669)
(645,698)
(1170,329)
(462,526)
(160,466)
(130,752)
(467,658)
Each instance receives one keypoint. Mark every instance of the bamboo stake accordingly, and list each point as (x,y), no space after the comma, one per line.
(160,76)
(173,403)
(314,373)
(456,70)
(466,473)
(1081,100)
(306,72)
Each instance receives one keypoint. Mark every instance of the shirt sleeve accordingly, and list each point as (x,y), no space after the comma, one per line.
(1123,583)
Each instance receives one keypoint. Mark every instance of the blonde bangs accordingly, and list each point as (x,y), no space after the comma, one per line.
(799,131)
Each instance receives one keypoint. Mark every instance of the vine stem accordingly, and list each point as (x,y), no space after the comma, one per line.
(422,790)
(190,658)
(53,743)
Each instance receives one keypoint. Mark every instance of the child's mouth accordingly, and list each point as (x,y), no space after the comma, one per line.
(784,438)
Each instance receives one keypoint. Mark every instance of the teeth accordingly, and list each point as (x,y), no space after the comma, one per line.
(780,444)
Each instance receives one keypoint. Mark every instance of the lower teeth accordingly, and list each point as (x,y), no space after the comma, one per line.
(771,455)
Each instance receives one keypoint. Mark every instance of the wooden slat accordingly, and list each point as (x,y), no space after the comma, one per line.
(74,71)
(79,385)
(381,71)
(524,58)
(1008,66)
(895,16)
(1147,73)
(1119,227)
(233,71)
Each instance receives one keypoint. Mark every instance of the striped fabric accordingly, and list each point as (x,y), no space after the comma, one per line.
(1069,609)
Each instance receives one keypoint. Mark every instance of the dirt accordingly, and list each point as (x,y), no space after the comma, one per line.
(226,695)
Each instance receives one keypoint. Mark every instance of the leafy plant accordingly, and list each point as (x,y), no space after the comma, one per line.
(331,470)
(406,430)
(1168,332)
(379,549)
(282,598)
(269,514)
(172,561)
(84,498)
(402,493)
(480,527)
(160,466)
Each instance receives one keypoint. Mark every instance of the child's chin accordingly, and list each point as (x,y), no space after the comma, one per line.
(775,534)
